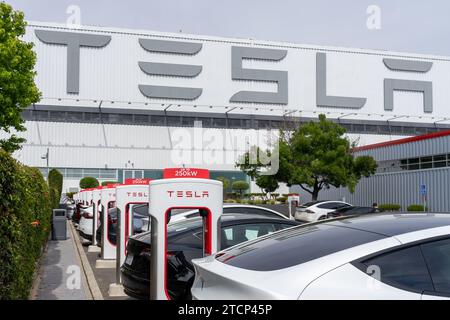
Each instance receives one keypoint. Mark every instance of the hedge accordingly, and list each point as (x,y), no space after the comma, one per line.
(416,208)
(389,207)
(55,183)
(105,183)
(25,213)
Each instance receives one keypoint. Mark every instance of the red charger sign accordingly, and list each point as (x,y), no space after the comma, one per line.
(185,173)
(137,181)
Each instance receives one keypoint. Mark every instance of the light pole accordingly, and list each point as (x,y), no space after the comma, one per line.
(46,156)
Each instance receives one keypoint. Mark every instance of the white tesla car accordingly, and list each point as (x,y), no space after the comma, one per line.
(85,224)
(230,208)
(382,256)
(317,210)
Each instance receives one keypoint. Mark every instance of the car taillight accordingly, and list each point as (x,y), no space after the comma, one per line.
(309,211)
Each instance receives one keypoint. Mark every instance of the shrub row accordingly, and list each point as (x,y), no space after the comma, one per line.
(25,213)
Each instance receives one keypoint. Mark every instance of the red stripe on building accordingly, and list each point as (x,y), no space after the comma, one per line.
(403,141)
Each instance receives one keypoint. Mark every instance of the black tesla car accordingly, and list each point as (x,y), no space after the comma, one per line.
(185,241)
(352,211)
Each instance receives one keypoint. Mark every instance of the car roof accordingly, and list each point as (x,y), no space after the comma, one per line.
(389,224)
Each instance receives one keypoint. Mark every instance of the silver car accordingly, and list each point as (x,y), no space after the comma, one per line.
(382,256)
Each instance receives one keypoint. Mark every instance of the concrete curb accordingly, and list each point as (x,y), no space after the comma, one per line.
(91,282)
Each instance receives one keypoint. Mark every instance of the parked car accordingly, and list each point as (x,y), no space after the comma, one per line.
(351,211)
(142,218)
(77,214)
(140,223)
(231,208)
(70,210)
(85,224)
(380,256)
(317,210)
(185,241)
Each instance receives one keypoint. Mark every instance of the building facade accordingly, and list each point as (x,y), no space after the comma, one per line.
(413,170)
(122,103)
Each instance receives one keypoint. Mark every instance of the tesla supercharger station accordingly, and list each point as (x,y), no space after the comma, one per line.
(293,201)
(96,199)
(108,249)
(89,196)
(181,189)
(126,195)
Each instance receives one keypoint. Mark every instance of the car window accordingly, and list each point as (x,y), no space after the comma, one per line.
(331,205)
(437,256)
(405,268)
(236,234)
(309,204)
(193,239)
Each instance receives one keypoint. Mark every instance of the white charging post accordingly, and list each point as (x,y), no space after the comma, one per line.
(181,188)
(108,249)
(293,201)
(135,191)
(96,199)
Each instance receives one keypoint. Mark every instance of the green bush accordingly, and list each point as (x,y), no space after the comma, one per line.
(55,183)
(389,207)
(25,213)
(105,183)
(88,182)
(282,199)
(416,208)
(240,186)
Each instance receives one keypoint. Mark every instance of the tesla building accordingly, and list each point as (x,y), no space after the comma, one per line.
(120,103)
(413,170)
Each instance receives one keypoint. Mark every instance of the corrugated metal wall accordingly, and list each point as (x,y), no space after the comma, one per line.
(399,188)
(402,187)
(420,148)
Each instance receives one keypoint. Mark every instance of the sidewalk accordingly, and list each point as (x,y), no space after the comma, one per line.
(61,275)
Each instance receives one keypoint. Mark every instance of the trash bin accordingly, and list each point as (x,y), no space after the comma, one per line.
(59,229)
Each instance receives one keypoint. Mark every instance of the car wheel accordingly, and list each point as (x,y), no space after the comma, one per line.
(322,218)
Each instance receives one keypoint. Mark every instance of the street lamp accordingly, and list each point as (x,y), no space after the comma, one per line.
(46,156)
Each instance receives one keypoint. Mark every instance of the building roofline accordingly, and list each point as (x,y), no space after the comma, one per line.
(236,40)
(403,141)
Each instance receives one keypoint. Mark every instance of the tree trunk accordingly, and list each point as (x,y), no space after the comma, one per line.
(315,193)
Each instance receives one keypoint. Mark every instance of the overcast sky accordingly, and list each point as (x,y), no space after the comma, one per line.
(403,25)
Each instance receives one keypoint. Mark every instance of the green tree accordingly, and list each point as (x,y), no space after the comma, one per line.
(315,156)
(240,186)
(55,183)
(17,87)
(267,183)
(89,182)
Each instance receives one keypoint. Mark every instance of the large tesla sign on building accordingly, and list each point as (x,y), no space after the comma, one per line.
(112,65)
